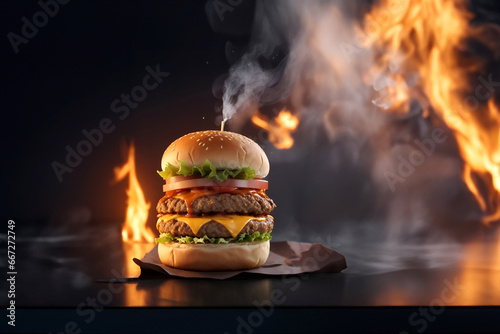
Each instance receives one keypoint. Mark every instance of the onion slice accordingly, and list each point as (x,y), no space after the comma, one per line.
(181,182)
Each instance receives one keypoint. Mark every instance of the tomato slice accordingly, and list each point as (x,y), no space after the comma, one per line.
(181,182)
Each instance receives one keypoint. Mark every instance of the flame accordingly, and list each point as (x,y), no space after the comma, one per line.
(280,129)
(134,227)
(428,38)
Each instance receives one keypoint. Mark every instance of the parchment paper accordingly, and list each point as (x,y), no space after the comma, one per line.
(285,258)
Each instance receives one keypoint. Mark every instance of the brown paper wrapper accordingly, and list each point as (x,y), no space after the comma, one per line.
(285,258)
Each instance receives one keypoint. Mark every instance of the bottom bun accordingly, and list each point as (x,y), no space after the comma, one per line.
(210,257)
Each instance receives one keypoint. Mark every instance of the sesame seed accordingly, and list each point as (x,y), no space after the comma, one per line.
(221,147)
(206,149)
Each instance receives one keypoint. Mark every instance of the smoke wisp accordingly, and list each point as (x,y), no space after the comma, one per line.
(363,121)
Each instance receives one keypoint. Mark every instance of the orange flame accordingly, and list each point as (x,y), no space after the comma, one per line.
(280,129)
(428,37)
(134,227)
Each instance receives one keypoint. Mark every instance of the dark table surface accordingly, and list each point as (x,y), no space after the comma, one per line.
(86,281)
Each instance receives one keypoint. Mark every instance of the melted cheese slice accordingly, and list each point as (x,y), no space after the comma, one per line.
(233,223)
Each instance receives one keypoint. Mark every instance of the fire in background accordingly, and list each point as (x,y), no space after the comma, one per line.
(136,217)
(425,64)
(138,239)
(280,129)
(421,49)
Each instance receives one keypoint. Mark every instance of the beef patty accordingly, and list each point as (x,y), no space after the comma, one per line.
(213,229)
(225,203)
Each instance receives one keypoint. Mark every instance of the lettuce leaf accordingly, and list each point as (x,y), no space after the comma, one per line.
(243,237)
(206,170)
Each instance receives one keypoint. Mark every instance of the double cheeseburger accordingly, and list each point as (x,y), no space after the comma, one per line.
(215,212)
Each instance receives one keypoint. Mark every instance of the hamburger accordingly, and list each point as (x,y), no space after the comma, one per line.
(215,214)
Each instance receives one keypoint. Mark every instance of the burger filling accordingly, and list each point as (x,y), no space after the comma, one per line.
(206,205)
(241,238)
(206,170)
(212,229)
(252,203)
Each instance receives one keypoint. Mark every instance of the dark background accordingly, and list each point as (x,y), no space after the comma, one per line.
(64,80)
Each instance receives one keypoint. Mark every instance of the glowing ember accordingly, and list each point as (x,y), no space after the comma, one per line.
(280,129)
(428,38)
(134,228)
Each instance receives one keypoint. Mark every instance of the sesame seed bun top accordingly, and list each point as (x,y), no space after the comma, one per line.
(224,150)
